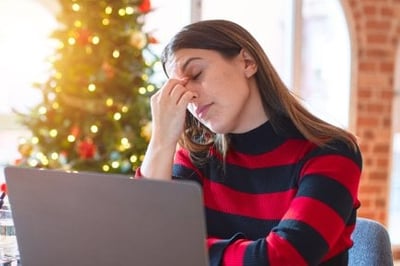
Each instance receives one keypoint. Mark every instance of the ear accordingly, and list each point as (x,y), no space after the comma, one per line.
(249,63)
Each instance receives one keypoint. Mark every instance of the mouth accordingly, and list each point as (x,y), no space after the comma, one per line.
(201,111)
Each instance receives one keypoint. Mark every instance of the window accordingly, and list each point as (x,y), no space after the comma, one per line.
(308,43)
(394,210)
(167,18)
(325,61)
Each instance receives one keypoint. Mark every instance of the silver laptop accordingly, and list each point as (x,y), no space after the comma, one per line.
(64,218)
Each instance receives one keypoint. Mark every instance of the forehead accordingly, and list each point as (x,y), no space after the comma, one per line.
(179,62)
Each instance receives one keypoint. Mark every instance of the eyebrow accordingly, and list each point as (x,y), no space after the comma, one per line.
(185,65)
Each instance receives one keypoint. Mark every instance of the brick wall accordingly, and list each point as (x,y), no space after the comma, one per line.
(375,26)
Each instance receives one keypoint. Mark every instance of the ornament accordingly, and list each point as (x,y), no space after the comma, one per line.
(63,158)
(152,40)
(145,6)
(3,188)
(75,130)
(19,161)
(138,40)
(83,37)
(3,194)
(86,148)
(108,70)
(25,149)
(114,156)
(126,166)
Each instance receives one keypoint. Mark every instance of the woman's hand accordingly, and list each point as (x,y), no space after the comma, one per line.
(168,109)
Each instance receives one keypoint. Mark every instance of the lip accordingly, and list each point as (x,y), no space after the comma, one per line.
(201,111)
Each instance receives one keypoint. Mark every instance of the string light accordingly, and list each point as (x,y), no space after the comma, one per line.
(108,10)
(42,110)
(35,140)
(150,88)
(86,37)
(96,40)
(71,41)
(91,87)
(125,144)
(53,133)
(106,168)
(22,141)
(109,102)
(55,105)
(76,7)
(94,128)
(133,159)
(142,90)
(51,96)
(54,156)
(115,54)
(115,164)
(53,84)
(121,12)
(78,23)
(42,158)
(117,116)
(71,138)
(129,10)
(105,21)
(33,162)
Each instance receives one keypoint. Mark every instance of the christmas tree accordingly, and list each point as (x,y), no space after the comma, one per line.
(95,113)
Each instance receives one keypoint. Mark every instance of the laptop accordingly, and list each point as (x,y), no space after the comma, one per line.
(93,219)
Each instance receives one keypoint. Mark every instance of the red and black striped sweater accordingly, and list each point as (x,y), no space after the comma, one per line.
(277,200)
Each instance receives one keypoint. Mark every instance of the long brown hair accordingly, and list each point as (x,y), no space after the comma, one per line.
(281,107)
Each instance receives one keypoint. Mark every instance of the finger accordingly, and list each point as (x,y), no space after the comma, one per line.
(165,92)
(170,84)
(186,98)
(177,92)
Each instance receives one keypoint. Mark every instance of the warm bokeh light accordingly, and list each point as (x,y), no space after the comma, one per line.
(25,26)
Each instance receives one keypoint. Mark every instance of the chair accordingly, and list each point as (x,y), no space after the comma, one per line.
(372,245)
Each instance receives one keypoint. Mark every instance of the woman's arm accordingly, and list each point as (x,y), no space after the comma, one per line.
(168,109)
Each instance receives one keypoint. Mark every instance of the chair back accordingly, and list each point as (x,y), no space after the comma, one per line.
(372,246)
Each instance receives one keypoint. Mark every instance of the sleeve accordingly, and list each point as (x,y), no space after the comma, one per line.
(183,167)
(137,174)
(318,223)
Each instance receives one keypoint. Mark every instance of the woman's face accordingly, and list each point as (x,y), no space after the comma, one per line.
(227,98)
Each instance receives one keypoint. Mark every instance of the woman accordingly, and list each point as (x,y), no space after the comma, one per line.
(280,185)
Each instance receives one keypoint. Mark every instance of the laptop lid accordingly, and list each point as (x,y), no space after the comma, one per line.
(67,218)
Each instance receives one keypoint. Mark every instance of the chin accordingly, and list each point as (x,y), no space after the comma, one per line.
(218,129)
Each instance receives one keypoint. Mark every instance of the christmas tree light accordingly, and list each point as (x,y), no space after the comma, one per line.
(95,113)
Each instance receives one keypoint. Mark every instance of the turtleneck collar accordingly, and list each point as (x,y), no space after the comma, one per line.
(256,141)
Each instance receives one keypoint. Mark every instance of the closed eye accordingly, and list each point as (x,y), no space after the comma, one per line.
(194,77)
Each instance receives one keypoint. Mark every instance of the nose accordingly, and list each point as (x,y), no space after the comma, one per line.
(194,102)
(195,91)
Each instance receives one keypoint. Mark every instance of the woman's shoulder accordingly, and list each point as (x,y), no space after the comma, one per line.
(338,147)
